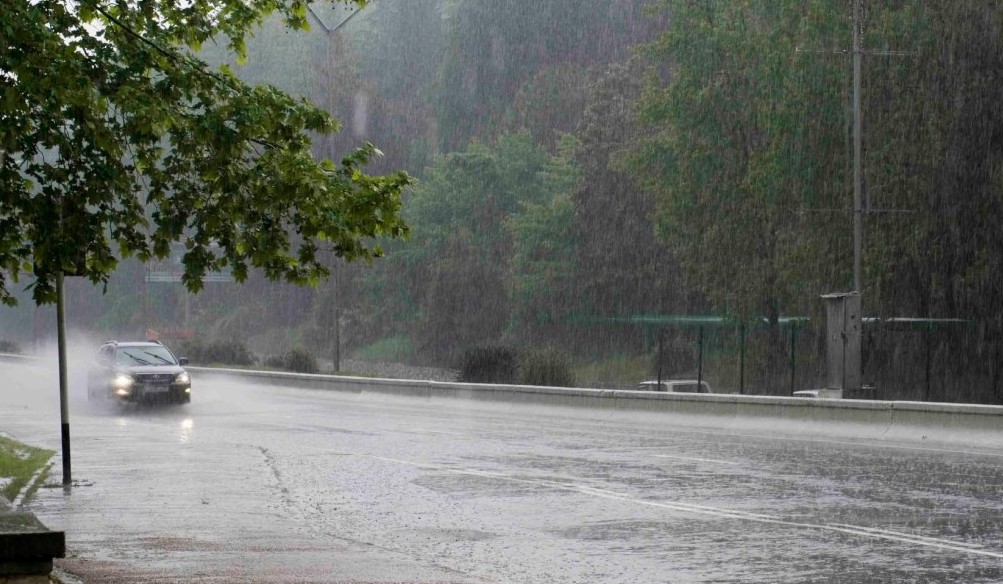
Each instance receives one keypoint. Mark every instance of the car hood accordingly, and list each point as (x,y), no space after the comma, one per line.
(152,369)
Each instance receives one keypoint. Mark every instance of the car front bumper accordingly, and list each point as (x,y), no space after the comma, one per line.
(173,393)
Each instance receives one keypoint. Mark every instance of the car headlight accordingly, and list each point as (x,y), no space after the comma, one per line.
(122,381)
(122,384)
(182,378)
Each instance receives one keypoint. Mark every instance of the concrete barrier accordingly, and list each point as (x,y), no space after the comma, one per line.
(912,423)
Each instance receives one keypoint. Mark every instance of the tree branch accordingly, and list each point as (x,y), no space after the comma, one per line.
(180,60)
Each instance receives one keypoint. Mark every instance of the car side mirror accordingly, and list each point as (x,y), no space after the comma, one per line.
(183,360)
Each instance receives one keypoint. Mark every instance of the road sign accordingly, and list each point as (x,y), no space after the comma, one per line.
(170,269)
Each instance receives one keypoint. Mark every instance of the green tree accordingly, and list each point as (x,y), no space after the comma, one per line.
(496,47)
(115,141)
(453,280)
(630,270)
(550,103)
(746,136)
(934,126)
(459,213)
(542,282)
(745,151)
(933,143)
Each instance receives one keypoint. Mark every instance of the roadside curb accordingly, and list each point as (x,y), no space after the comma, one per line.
(58,576)
(27,548)
(31,484)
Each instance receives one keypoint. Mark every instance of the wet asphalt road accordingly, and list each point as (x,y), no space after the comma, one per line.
(256,484)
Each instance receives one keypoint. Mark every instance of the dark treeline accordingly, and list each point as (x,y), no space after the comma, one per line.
(584,162)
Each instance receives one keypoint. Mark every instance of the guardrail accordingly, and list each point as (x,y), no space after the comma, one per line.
(971,426)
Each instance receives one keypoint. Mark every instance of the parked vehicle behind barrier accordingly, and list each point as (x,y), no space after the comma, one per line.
(675,386)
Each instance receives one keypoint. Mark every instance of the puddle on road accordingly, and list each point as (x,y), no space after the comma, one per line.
(476,486)
(462,534)
(180,544)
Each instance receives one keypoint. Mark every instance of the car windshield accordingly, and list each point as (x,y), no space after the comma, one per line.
(145,355)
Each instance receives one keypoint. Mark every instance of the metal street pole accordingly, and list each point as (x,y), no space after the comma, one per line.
(741,361)
(64,411)
(700,362)
(337,340)
(858,173)
(329,66)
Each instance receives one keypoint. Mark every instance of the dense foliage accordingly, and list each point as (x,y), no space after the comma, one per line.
(548,366)
(216,352)
(116,141)
(297,360)
(750,160)
(489,364)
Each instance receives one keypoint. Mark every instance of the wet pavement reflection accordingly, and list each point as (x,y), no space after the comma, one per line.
(259,484)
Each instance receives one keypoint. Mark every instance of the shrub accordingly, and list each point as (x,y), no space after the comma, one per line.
(9,347)
(231,352)
(390,349)
(489,364)
(296,360)
(548,366)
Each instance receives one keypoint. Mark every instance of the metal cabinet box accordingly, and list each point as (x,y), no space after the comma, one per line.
(843,325)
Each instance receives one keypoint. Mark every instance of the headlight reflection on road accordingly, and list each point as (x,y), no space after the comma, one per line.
(187,428)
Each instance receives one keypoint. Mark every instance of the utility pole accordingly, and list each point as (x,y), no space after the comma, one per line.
(849,349)
(337,340)
(860,207)
(858,167)
(328,67)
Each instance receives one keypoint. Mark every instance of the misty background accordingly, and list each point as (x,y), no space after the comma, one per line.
(594,174)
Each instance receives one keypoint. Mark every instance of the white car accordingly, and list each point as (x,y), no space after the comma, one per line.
(675,386)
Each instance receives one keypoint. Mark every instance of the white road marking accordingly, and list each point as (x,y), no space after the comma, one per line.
(871,444)
(917,537)
(856,530)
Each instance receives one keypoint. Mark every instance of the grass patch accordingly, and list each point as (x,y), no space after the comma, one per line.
(226,352)
(391,349)
(18,462)
(620,372)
